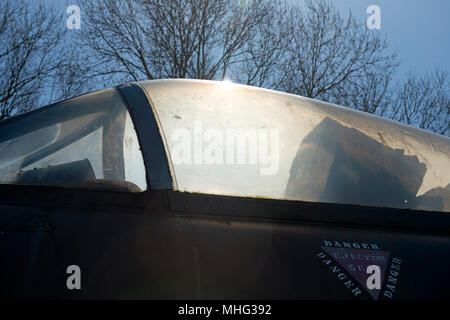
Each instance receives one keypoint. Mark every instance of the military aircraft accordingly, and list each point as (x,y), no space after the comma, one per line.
(191,189)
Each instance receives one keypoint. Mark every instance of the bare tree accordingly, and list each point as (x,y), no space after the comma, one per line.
(148,39)
(265,51)
(369,91)
(309,50)
(73,76)
(424,101)
(29,37)
(331,55)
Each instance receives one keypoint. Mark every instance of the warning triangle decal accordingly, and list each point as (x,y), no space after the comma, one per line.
(356,261)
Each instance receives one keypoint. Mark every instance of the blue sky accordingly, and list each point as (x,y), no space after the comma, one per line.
(419,29)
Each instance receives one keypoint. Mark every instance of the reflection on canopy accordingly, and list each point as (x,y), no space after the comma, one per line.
(88,142)
(339,164)
(327,153)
